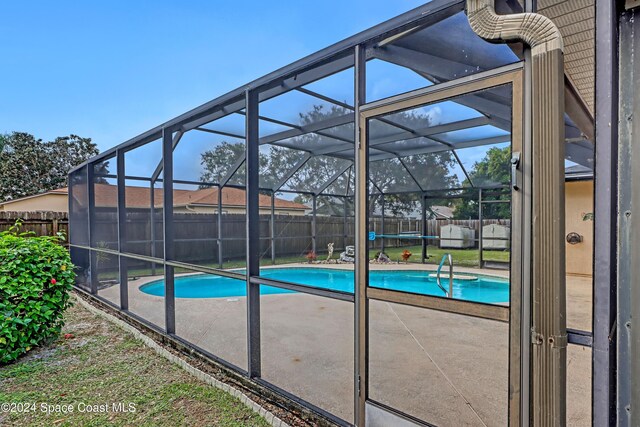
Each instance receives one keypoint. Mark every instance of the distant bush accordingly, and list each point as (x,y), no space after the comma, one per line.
(36,275)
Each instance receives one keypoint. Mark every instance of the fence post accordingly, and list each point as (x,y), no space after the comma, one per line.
(152,223)
(273,227)
(480,248)
(314,226)
(424,227)
(220,257)
(344,223)
(382,218)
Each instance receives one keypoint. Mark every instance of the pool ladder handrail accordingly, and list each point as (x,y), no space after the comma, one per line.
(445,257)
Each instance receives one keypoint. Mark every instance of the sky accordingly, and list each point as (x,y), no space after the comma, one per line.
(110,70)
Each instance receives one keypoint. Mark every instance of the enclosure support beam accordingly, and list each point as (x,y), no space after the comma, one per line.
(221,133)
(232,171)
(628,246)
(413,178)
(91,204)
(122,232)
(443,147)
(174,143)
(605,214)
(253,232)
(292,171)
(361,236)
(167,217)
(333,179)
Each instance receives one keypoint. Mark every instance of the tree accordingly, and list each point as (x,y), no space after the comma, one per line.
(494,169)
(217,163)
(388,175)
(30,166)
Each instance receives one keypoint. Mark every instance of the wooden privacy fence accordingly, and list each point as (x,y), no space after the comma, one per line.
(398,226)
(40,223)
(197,240)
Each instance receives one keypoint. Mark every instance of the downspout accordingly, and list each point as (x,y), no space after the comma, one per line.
(548,332)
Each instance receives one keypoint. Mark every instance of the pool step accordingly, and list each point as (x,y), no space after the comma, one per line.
(496,265)
(467,277)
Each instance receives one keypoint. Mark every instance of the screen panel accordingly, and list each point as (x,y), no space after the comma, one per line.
(79,207)
(211,313)
(146,304)
(442,368)
(440,197)
(307,348)
(108,270)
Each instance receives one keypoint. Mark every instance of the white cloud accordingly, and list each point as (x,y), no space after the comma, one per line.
(435,115)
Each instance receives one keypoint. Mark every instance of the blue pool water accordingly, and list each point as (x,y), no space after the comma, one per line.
(486,289)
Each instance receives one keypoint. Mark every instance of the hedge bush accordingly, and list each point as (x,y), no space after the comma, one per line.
(36,275)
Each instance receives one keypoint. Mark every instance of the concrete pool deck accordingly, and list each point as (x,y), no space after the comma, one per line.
(448,369)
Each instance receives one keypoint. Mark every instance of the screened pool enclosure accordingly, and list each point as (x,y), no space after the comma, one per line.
(355,232)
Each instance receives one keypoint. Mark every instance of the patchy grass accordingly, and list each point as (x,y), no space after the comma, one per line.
(103,364)
(462,257)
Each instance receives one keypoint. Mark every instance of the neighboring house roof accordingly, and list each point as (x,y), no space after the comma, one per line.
(107,195)
(64,190)
(442,212)
(327,209)
(433,212)
(59,191)
(139,197)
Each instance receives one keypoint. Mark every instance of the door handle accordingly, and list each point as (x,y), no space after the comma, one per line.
(515,162)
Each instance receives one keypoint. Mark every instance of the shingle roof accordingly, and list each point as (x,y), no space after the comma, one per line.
(106,195)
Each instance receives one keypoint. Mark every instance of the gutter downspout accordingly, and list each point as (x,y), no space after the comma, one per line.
(548,332)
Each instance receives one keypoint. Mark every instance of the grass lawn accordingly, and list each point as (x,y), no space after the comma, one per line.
(103,364)
(462,257)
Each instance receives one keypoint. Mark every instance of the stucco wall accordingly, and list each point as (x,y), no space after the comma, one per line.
(45,202)
(578,202)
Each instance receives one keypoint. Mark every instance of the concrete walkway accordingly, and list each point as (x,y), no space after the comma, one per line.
(447,369)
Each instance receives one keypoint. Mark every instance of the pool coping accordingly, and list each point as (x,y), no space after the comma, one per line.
(144,281)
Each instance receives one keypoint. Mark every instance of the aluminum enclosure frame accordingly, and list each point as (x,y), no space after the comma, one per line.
(352,52)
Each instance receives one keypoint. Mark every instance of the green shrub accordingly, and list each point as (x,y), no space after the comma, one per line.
(36,275)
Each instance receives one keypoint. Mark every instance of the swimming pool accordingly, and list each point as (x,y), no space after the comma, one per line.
(485,289)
